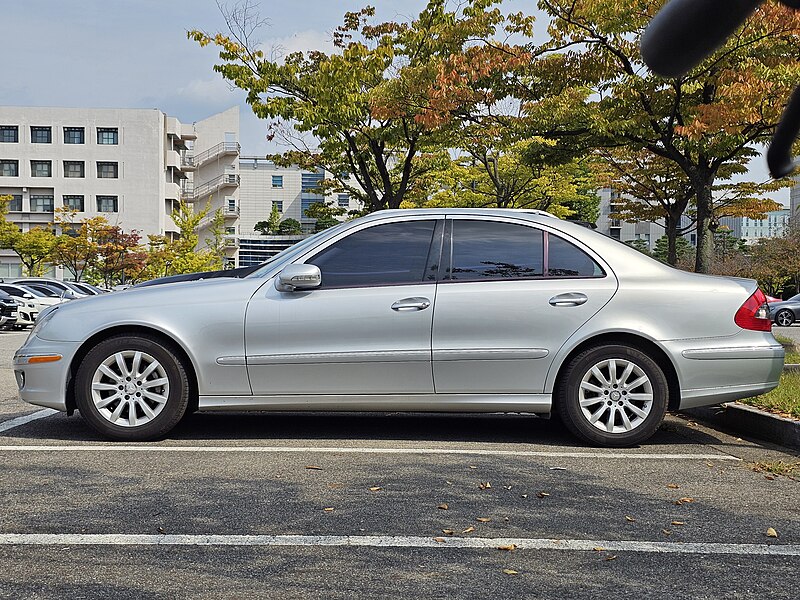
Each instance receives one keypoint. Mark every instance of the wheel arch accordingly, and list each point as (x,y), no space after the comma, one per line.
(628,339)
(166,339)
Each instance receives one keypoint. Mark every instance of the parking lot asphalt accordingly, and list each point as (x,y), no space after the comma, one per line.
(239,505)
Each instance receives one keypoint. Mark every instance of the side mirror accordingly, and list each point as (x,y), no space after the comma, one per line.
(298,277)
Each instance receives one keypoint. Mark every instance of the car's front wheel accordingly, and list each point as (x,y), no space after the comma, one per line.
(613,395)
(784,317)
(132,388)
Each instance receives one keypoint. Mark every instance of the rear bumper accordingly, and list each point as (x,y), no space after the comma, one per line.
(713,375)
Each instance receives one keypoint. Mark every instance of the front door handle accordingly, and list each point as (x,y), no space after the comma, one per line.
(569,299)
(407,304)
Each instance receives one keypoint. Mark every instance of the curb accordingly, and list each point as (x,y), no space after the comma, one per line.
(750,421)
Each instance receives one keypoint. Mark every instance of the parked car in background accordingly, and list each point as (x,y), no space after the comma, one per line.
(8,311)
(87,288)
(440,310)
(31,302)
(785,312)
(66,289)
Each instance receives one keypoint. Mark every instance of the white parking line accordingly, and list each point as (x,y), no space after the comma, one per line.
(390,541)
(11,423)
(350,450)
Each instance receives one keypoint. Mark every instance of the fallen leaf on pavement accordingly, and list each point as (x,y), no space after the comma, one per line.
(678,523)
(542,495)
(314,467)
(510,572)
(631,519)
(673,486)
(376,488)
(328,509)
(598,548)
(614,557)
(483,519)
(448,531)
(684,500)
(485,486)
(524,495)
(439,539)
(473,467)
(509,547)
(443,506)
(771,532)
(469,529)
(666,532)
(161,530)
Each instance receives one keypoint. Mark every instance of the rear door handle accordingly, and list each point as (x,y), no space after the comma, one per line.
(407,304)
(569,299)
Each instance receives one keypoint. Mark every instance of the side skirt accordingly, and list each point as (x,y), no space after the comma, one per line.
(530,403)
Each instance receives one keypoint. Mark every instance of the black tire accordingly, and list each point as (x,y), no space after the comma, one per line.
(784,318)
(166,414)
(568,396)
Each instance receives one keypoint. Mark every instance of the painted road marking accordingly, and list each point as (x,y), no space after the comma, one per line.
(349,450)
(11,423)
(390,541)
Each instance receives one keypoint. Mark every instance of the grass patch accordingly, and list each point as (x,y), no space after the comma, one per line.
(782,339)
(792,354)
(778,468)
(784,399)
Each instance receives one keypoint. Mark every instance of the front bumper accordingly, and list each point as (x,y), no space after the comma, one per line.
(45,383)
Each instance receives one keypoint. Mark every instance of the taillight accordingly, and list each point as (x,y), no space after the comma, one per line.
(753,314)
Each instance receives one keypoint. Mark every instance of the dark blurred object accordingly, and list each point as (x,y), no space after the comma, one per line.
(685,32)
(238,272)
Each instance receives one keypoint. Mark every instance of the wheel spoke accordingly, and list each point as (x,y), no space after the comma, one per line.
(611,418)
(626,373)
(612,372)
(626,422)
(146,409)
(591,387)
(155,382)
(109,373)
(148,370)
(154,397)
(638,382)
(137,359)
(592,401)
(640,397)
(599,375)
(123,368)
(104,387)
(637,411)
(595,416)
(106,401)
(132,412)
(117,412)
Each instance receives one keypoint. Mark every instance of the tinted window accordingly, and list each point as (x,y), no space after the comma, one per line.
(485,250)
(391,254)
(566,260)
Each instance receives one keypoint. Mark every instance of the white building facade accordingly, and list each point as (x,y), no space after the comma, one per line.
(131,166)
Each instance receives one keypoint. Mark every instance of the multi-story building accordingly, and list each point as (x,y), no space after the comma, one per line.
(752,230)
(131,166)
(292,190)
(610,203)
(214,184)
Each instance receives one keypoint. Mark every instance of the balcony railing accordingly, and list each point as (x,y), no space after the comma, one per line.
(209,187)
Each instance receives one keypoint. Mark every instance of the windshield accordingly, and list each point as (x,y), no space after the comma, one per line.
(32,291)
(294,249)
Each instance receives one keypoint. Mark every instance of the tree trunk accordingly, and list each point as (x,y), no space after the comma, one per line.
(705,239)
(671,231)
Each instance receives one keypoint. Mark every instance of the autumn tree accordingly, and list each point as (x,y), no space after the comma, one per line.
(366,112)
(76,249)
(708,120)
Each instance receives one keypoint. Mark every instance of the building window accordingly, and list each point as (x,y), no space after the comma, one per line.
(74,168)
(107,136)
(107,204)
(15,204)
(73,135)
(73,202)
(9,134)
(305,204)
(310,182)
(230,231)
(41,135)
(41,203)
(277,181)
(343,200)
(107,170)
(278,204)
(9,168)
(41,168)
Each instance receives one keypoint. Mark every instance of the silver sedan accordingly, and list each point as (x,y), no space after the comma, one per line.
(429,310)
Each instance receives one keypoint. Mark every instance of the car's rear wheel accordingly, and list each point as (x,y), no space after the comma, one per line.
(613,395)
(132,388)
(784,317)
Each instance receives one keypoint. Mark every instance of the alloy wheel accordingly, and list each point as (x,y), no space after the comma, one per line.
(615,395)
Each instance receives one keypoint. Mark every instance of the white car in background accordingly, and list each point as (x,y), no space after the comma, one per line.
(29,301)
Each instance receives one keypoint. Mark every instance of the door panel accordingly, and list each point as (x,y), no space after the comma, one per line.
(339,341)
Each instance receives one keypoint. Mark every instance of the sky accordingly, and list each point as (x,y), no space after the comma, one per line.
(135,54)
